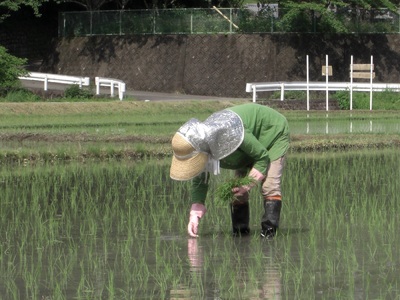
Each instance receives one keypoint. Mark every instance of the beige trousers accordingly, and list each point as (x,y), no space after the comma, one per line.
(271,186)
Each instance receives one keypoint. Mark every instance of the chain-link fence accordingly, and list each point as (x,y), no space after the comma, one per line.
(223,20)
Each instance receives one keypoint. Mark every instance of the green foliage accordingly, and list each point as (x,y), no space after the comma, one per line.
(332,16)
(387,100)
(10,68)
(343,99)
(309,17)
(75,92)
(8,6)
(264,21)
(20,95)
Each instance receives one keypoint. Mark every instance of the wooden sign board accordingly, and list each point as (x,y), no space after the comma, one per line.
(329,71)
(362,67)
(365,75)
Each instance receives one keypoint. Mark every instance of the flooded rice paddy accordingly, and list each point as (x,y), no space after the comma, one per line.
(117,230)
(350,125)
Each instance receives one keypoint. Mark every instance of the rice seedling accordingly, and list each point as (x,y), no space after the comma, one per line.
(110,227)
(224,192)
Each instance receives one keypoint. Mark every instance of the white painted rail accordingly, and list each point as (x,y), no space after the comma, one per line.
(254,87)
(54,78)
(112,84)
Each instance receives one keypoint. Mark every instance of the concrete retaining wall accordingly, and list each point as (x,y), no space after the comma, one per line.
(220,65)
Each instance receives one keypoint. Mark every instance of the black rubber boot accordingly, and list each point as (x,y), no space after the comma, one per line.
(270,219)
(240,214)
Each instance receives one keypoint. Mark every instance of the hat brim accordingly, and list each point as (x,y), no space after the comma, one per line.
(186,169)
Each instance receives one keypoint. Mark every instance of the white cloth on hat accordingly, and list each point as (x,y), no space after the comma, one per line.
(213,166)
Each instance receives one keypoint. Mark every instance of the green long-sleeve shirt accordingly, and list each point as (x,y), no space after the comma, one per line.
(266,138)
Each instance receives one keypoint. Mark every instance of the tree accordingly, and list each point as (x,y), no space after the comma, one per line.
(90,4)
(153,4)
(122,3)
(10,68)
(307,15)
(9,6)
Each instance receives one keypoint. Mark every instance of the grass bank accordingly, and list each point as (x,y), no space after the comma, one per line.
(47,131)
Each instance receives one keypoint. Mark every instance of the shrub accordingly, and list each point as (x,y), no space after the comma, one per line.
(75,92)
(20,95)
(380,100)
(343,99)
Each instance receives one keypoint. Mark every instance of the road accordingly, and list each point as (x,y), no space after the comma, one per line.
(138,95)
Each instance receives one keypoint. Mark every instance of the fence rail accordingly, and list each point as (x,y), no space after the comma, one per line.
(54,78)
(112,84)
(269,19)
(81,81)
(255,88)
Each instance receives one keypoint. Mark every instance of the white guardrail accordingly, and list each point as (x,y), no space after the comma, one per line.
(62,79)
(112,84)
(254,87)
(81,81)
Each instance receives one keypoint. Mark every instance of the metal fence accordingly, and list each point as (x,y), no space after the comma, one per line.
(224,20)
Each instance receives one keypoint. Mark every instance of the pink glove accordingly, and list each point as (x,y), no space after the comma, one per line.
(254,174)
(240,191)
(197,211)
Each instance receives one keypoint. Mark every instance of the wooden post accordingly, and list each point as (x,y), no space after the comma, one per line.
(362,71)
(225,17)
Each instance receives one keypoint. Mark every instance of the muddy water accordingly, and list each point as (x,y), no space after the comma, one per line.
(118,231)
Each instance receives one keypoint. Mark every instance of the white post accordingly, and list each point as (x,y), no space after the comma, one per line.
(308,84)
(112,88)
(282,91)
(326,78)
(254,93)
(370,91)
(351,83)
(45,82)
(121,90)
(97,86)
(230,18)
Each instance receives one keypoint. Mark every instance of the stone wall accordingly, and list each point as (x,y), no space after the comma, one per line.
(220,65)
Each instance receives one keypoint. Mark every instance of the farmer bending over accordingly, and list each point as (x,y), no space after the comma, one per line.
(252,140)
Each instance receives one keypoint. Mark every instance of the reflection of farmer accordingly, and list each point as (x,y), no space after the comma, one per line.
(249,138)
(267,284)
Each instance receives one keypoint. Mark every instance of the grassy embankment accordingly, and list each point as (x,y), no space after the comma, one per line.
(130,130)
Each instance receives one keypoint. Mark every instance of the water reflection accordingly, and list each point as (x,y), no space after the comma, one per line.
(345,126)
(196,256)
(366,127)
(249,270)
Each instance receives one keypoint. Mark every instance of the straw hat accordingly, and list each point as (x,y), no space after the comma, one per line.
(187,162)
